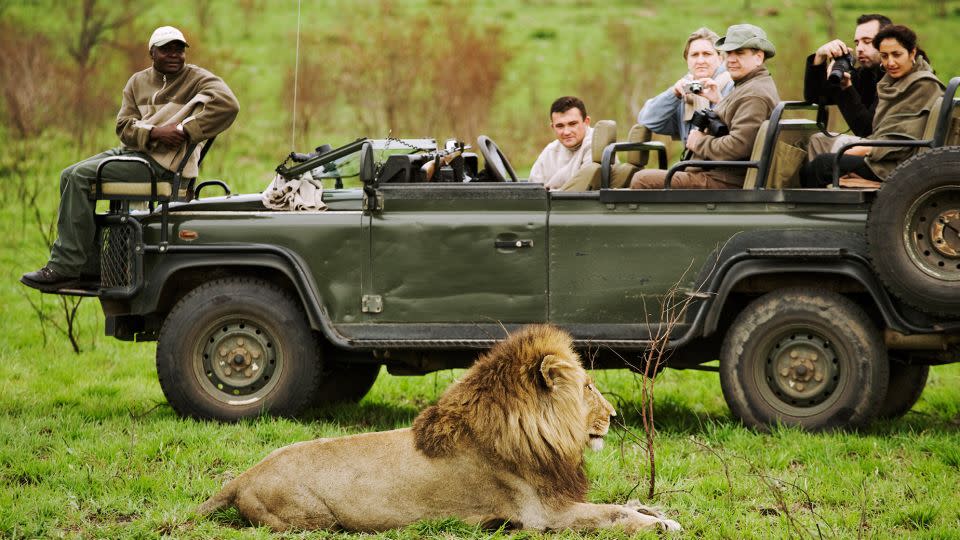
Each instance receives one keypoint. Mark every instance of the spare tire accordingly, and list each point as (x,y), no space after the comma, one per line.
(913,232)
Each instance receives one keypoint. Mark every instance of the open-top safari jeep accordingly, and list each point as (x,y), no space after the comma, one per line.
(825,307)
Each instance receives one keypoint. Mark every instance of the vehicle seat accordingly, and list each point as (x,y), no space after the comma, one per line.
(153,191)
(633,160)
(930,130)
(789,153)
(953,131)
(588,177)
(120,194)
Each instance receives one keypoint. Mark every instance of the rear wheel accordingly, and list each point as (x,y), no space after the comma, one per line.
(906,385)
(237,348)
(346,381)
(804,357)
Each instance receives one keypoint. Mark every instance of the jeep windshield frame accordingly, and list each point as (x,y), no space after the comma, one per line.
(344,161)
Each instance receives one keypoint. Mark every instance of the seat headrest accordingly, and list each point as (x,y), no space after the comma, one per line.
(604,134)
(931,126)
(638,133)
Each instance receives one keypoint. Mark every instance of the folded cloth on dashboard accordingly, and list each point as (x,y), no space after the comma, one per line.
(304,193)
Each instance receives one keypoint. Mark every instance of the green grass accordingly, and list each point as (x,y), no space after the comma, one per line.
(90,449)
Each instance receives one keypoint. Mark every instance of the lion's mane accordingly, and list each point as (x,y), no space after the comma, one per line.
(524,417)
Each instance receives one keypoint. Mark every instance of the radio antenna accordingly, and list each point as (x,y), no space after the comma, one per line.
(296,73)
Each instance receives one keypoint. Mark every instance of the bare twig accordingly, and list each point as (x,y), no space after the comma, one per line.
(67,324)
(68,327)
(776,488)
(672,311)
(723,462)
(138,415)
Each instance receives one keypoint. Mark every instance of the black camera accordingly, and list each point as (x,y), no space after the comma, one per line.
(841,65)
(707,120)
(695,87)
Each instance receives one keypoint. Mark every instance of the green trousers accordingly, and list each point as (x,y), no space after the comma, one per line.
(75,250)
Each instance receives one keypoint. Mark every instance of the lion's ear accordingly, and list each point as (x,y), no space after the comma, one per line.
(551,368)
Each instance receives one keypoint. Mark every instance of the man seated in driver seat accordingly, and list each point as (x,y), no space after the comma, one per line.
(562,158)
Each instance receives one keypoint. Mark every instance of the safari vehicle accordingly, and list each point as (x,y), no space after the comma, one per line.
(825,307)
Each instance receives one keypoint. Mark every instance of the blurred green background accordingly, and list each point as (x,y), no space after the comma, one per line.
(412,68)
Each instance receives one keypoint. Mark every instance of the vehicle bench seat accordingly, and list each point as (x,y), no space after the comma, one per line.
(790,152)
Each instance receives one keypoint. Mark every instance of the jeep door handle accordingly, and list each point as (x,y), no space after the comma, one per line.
(512,244)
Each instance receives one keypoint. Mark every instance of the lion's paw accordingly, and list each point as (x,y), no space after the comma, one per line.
(669,525)
(644,509)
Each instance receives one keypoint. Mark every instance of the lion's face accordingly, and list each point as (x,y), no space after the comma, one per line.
(599,411)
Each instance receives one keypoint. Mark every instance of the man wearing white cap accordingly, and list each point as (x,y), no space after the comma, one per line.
(166,108)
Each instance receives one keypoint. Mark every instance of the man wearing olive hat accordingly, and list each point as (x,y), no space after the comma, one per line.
(165,109)
(752,100)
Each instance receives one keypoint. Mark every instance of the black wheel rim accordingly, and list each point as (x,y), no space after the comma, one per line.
(932,234)
(239,360)
(802,371)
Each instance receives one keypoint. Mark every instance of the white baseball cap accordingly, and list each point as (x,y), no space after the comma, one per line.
(165,34)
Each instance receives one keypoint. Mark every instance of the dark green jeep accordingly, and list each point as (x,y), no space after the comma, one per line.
(825,307)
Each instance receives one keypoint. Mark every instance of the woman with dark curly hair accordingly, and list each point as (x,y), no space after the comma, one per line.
(906,95)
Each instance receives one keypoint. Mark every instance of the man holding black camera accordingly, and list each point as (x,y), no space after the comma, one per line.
(752,100)
(831,78)
(670,112)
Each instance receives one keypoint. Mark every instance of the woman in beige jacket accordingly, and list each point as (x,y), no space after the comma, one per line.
(906,94)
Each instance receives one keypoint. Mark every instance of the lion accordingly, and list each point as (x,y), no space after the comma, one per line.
(502,446)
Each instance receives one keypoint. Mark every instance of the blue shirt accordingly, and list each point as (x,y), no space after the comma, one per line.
(663,114)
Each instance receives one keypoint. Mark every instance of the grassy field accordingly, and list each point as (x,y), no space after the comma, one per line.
(90,449)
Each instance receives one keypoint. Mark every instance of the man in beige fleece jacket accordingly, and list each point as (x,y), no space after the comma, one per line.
(562,158)
(165,109)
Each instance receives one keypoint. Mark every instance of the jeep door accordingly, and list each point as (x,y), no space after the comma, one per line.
(614,254)
(454,254)
(610,264)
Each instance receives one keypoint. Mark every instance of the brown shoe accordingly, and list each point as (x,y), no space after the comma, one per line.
(47,279)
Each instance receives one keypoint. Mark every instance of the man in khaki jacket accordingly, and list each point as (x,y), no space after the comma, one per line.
(165,108)
(750,103)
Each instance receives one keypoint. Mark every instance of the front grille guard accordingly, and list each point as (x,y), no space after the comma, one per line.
(121,255)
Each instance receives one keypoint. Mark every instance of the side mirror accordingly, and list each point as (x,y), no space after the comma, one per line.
(368,169)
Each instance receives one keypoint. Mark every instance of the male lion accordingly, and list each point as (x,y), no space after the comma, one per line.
(504,444)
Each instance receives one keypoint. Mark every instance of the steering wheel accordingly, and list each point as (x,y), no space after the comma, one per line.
(497,164)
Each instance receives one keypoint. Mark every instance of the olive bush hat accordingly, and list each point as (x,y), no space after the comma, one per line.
(746,36)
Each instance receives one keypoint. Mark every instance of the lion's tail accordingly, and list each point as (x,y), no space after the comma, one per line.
(224,498)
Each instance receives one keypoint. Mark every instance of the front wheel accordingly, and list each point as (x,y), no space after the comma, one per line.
(237,348)
(804,357)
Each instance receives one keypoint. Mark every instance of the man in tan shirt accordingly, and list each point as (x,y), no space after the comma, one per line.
(165,108)
(750,103)
(562,158)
